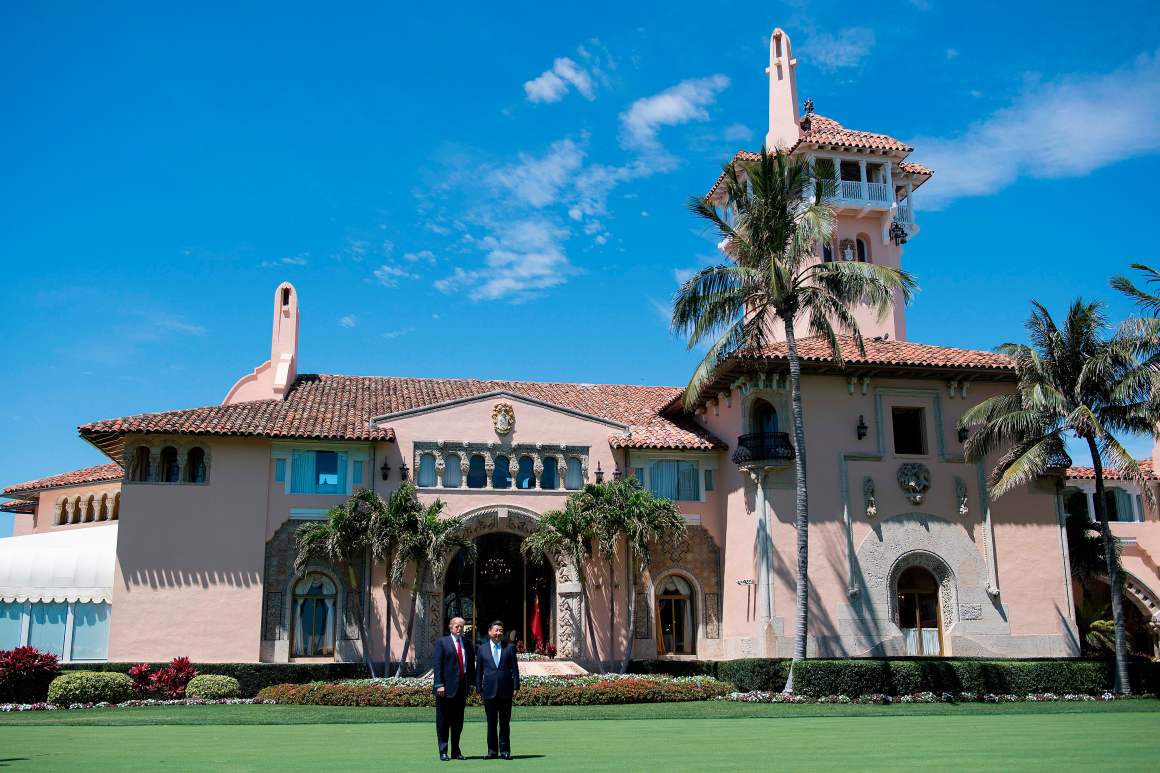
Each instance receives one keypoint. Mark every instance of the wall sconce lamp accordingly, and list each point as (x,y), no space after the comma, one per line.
(403,470)
(862,428)
(616,472)
(385,470)
(897,233)
(599,473)
(964,433)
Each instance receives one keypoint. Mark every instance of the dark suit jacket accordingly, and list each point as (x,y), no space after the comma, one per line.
(445,666)
(493,682)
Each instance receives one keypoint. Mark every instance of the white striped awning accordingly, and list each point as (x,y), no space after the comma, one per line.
(67,565)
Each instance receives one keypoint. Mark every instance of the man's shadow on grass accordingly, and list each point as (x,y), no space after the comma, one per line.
(514,757)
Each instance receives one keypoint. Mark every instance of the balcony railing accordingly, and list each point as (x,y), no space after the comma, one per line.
(905,215)
(763,448)
(873,194)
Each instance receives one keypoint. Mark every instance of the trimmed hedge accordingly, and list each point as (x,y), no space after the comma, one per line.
(593,693)
(251,677)
(904,676)
(90,687)
(212,687)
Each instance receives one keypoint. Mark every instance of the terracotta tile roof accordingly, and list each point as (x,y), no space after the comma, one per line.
(887,353)
(340,407)
(18,506)
(1089,473)
(914,168)
(102,472)
(668,433)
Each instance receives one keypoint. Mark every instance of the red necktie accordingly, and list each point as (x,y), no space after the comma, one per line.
(459,653)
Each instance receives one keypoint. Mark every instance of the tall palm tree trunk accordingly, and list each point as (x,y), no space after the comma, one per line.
(1123,684)
(420,581)
(585,599)
(630,584)
(390,614)
(364,642)
(801,503)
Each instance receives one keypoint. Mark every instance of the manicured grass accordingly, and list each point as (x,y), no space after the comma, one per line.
(1052,736)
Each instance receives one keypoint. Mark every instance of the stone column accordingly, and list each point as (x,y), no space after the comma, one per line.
(489,468)
(513,467)
(464,466)
(537,470)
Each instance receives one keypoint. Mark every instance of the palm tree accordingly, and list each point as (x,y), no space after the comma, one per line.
(627,512)
(428,539)
(389,522)
(344,538)
(567,533)
(1148,302)
(776,212)
(1074,381)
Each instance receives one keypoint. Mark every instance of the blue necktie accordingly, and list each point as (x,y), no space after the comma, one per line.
(495,653)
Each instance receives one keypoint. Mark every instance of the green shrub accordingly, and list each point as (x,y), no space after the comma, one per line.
(674,667)
(212,687)
(90,687)
(748,674)
(252,677)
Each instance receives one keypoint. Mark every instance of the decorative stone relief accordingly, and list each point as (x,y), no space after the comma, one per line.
(948,589)
(961,496)
(914,478)
(712,616)
(273,623)
(869,499)
(351,612)
(503,418)
(568,625)
(970,611)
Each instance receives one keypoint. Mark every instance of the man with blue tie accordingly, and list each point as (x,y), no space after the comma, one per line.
(497,674)
(454,672)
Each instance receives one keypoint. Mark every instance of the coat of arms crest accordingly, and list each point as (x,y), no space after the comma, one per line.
(503,418)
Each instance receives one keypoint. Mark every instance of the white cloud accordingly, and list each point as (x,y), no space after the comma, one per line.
(389,275)
(426,256)
(396,333)
(1064,128)
(523,258)
(289,260)
(737,132)
(348,320)
(538,181)
(847,48)
(552,85)
(674,106)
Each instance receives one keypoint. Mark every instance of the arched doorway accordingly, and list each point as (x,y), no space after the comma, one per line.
(314,609)
(501,585)
(764,417)
(919,615)
(676,617)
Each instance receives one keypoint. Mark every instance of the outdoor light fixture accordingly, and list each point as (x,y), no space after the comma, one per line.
(616,473)
(385,470)
(862,428)
(403,470)
(599,473)
(964,433)
(898,233)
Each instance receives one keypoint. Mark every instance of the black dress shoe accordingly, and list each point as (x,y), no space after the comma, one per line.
(492,755)
(505,755)
(458,756)
(443,758)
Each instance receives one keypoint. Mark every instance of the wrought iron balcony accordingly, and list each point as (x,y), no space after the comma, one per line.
(763,448)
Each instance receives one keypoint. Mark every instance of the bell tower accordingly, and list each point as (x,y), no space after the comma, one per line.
(783,102)
(273,378)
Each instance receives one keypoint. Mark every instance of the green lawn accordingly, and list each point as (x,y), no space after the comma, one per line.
(1055,736)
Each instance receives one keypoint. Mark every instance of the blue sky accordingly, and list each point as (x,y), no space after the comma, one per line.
(468,192)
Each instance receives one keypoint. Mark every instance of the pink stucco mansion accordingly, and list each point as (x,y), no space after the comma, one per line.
(182,544)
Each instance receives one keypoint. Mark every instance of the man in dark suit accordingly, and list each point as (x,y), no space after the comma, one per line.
(454,671)
(497,680)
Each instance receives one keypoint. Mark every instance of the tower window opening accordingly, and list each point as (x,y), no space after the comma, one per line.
(285,296)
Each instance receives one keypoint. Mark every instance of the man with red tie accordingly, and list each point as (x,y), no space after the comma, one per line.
(454,670)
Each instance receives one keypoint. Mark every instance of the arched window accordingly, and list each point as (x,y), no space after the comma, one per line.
(476,472)
(863,250)
(195,465)
(315,607)
(169,469)
(106,506)
(918,612)
(526,475)
(676,617)
(827,252)
(1075,503)
(426,476)
(90,509)
(502,476)
(574,477)
(451,473)
(78,510)
(549,478)
(764,417)
(62,511)
(139,465)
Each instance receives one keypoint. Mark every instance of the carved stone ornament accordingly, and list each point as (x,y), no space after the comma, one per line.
(961,496)
(503,418)
(914,478)
(868,496)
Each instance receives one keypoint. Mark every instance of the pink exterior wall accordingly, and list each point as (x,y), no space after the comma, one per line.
(189,562)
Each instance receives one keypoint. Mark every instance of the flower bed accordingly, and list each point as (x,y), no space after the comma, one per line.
(591,690)
(45,706)
(761,696)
